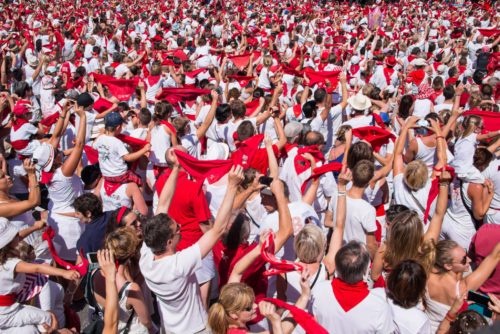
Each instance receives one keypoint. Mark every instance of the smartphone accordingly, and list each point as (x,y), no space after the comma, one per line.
(265,180)
(482,300)
(92,257)
(464,80)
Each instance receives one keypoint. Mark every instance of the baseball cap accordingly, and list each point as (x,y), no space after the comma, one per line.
(293,129)
(20,109)
(113,119)
(44,157)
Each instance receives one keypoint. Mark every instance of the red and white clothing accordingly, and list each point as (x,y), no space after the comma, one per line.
(21,139)
(111,151)
(115,200)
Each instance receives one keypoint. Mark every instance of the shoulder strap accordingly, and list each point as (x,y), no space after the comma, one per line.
(129,321)
(89,294)
(251,218)
(477,223)
(417,202)
(317,276)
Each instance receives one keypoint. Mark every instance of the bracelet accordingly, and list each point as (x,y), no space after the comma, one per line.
(439,137)
(444,184)
(450,317)
(341,193)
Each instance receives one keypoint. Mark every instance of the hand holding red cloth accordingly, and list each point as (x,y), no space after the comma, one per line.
(277,266)
(122,89)
(201,170)
(375,135)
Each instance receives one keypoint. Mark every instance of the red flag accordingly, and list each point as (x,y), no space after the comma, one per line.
(240,61)
(375,135)
(176,95)
(303,319)
(122,89)
(102,104)
(316,77)
(243,80)
(200,170)
(489,32)
(491,119)
(246,151)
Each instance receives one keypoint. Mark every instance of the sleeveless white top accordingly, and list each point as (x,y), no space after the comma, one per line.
(117,199)
(160,142)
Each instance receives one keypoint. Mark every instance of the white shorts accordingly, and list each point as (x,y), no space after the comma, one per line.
(22,319)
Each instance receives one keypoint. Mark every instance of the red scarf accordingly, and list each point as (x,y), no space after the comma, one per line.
(47,122)
(434,192)
(277,266)
(303,319)
(376,136)
(92,154)
(318,171)
(246,151)
(201,170)
(297,110)
(102,104)
(491,120)
(81,268)
(169,126)
(251,106)
(18,122)
(46,177)
(349,295)
(240,61)
(301,163)
(122,89)
(112,183)
(387,74)
(321,77)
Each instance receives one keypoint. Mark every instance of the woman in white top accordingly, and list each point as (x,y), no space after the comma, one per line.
(161,136)
(405,292)
(63,185)
(191,139)
(446,281)
(123,242)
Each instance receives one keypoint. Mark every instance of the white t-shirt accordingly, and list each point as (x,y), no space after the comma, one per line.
(359,122)
(360,218)
(464,153)
(402,196)
(372,315)
(111,151)
(407,321)
(329,126)
(172,279)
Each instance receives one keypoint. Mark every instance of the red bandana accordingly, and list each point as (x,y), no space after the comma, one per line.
(349,295)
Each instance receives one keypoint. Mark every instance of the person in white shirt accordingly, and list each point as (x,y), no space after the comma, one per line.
(358,104)
(345,305)
(170,274)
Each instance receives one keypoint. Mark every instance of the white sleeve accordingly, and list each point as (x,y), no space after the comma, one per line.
(386,325)
(369,224)
(122,150)
(31,129)
(189,260)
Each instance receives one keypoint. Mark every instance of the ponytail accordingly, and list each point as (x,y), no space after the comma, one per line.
(217,319)
(162,111)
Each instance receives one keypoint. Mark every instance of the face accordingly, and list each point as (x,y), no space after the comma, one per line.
(131,220)
(268,202)
(461,262)
(6,181)
(247,314)
(84,219)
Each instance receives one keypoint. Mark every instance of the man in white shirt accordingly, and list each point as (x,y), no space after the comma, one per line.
(170,274)
(345,305)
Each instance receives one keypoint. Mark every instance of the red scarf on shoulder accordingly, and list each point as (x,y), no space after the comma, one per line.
(349,295)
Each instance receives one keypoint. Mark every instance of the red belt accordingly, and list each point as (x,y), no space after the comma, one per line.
(8,300)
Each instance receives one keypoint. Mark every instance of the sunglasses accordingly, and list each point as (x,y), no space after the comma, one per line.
(249,308)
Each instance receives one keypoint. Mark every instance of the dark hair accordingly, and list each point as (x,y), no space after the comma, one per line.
(309,109)
(245,130)
(163,110)
(406,284)
(238,108)
(222,112)
(249,175)
(405,106)
(351,262)
(144,116)
(468,322)
(359,151)
(362,173)
(320,95)
(21,88)
(394,210)
(88,203)
(157,232)
(239,230)
(449,92)
(90,174)
(482,158)
(113,224)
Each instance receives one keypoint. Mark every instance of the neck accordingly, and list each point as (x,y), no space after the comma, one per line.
(4,196)
(356,192)
(168,252)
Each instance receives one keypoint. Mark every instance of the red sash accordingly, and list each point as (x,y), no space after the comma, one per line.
(112,183)
(387,74)
(8,300)
(19,144)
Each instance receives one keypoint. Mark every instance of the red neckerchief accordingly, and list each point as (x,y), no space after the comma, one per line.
(276,265)
(170,126)
(387,74)
(349,295)
(436,64)
(115,64)
(411,58)
(46,177)
(153,80)
(297,110)
(354,69)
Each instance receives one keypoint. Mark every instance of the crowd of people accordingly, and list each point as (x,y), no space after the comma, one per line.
(233,167)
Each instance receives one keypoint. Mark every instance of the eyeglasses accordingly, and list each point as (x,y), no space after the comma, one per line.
(464,259)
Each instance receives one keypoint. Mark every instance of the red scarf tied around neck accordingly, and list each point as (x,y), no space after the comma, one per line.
(349,295)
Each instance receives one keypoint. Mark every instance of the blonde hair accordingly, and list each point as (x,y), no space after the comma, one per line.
(309,244)
(123,242)
(267,61)
(470,123)
(416,175)
(234,297)
(405,241)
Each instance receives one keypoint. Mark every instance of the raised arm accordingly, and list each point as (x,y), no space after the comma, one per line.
(69,166)
(209,239)
(340,212)
(200,132)
(168,191)
(483,272)
(436,222)
(108,270)
(398,164)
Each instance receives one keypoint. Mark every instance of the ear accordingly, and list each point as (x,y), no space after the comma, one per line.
(448,267)
(88,214)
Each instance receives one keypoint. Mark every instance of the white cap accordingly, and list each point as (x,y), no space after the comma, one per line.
(355,60)
(419,62)
(7,232)
(441,68)
(44,156)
